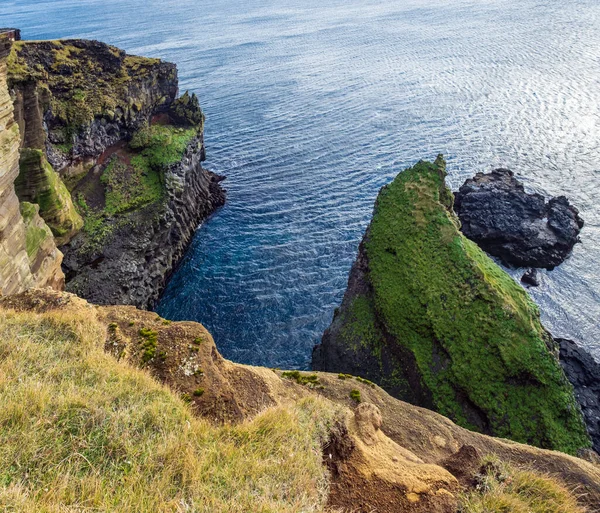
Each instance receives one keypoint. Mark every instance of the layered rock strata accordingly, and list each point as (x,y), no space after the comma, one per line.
(28,255)
(433,320)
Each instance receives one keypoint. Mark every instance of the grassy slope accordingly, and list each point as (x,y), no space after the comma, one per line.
(503,488)
(81,431)
(470,326)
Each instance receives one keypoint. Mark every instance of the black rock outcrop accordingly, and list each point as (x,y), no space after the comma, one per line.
(584,374)
(521,229)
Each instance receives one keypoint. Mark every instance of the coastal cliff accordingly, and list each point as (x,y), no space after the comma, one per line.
(120,410)
(113,159)
(433,320)
(28,254)
(233,438)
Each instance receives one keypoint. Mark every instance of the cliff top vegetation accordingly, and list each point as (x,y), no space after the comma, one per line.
(79,430)
(64,68)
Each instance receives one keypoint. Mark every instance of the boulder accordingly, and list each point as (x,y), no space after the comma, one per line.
(521,229)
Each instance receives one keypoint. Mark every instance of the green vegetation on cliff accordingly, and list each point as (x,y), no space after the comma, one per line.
(35,233)
(478,345)
(39,183)
(132,180)
(82,431)
(63,69)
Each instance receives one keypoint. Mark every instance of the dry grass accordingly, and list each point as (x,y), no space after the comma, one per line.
(81,432)
(505,489)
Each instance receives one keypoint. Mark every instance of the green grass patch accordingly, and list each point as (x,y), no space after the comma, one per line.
(502,488)
(148,343)
(300,378)
(355,395)
(129,187)
(160,145)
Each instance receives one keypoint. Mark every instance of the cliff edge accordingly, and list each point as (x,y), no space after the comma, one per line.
(113,158)
(232,438)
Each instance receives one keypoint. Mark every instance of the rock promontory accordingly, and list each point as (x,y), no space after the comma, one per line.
(521,229)
(113,158)
(431,318)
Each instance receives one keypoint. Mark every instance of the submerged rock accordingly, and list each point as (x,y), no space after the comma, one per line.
(431,318)
(521,229)
(531,277)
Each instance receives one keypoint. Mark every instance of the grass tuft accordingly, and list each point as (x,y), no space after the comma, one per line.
(505,489)
(301,379)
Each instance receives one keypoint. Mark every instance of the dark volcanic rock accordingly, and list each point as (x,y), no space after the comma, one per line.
(531,277)
(584,374)
(519,228)
(132,266)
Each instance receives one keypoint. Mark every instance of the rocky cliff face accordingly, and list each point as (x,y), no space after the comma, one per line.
(28,255)
(87,95)
(110,125)
(129,261)
(433,320)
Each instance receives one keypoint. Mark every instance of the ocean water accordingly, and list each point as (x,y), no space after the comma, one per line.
(313,106)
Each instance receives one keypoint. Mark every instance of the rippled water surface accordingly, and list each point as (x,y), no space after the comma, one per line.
(312,106)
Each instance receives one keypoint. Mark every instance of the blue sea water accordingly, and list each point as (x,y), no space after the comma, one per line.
(313,106)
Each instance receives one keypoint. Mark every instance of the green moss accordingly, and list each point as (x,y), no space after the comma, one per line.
(161,145)
(475,334)
(355,395)
(95,225)
(39,183)
(199,392)
(34,235)
(301,379)
(148,343)
(129,187)
(63,69)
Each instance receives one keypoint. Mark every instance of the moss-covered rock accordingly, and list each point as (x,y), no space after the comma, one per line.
(432,318)
(39,183)
(64,69)
(89,94)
